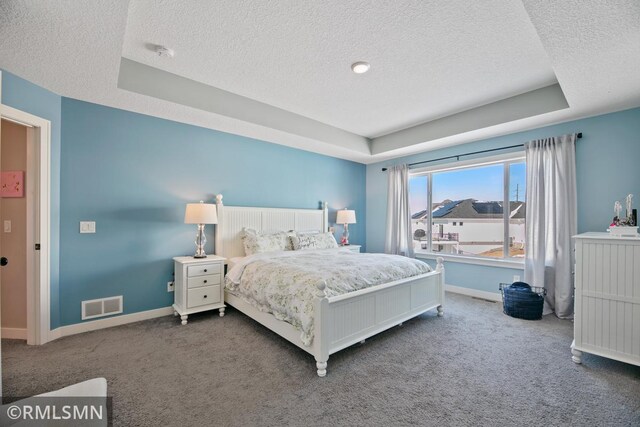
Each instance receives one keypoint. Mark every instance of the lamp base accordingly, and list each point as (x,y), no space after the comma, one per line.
(201,240)
(344,241)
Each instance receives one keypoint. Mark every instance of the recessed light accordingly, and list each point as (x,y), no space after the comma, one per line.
(360,67)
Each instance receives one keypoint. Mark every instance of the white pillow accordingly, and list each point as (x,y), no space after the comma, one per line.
(314,241)
(255,242)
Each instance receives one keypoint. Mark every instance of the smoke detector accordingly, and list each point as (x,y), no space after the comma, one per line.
(164,52)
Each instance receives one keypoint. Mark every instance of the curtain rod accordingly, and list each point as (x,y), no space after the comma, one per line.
(457,156)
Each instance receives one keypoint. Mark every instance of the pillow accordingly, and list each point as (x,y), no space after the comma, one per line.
(307,232)
(314,241)
(255,242)
(289,234)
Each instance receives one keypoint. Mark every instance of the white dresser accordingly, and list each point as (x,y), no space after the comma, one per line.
(198,285)
(607,297)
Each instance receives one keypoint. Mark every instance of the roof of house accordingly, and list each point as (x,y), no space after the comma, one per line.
(470,209)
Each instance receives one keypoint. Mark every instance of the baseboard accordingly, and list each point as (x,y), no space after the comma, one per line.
(491,296)
(94,325)
(14,333)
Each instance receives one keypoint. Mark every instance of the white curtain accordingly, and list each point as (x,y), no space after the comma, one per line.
(551,220)
(398,239)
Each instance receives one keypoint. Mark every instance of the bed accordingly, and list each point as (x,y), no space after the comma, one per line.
(339,320)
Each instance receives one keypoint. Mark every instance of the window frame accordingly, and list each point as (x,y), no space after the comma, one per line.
(504,159)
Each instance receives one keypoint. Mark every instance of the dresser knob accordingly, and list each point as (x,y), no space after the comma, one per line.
(205,270)
(205,281)
(205,296)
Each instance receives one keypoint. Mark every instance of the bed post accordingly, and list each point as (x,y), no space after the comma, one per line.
(218,239)
(440,269)
(325,217)
(321,332)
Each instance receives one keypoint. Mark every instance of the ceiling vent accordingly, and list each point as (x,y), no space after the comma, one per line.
(164,52)
(101,307)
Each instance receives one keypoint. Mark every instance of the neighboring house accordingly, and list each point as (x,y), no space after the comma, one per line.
(471,227)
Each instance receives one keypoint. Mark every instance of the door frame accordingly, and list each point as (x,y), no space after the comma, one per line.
(39,225)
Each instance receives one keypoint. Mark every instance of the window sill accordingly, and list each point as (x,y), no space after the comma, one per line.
(489,262)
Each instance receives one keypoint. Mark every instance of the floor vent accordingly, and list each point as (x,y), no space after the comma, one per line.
(101,307)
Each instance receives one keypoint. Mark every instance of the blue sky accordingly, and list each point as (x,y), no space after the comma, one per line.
(483,183)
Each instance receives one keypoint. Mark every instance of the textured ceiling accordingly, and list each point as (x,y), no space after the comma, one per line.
(594,46)
(429,60)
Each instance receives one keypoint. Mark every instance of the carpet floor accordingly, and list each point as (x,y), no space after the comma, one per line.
(474,366)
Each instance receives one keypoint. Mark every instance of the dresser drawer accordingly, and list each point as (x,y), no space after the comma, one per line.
(203,269)
(203,296)
(199,281)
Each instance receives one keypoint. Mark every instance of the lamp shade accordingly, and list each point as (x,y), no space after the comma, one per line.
(200,213)
(346,216)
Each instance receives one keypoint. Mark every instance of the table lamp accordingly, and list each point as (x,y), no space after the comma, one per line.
(201,214)
(345,217)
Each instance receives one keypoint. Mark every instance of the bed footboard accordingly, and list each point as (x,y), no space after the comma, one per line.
(350,318)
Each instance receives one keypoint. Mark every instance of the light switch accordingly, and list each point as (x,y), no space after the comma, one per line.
(87,226)
(7,226)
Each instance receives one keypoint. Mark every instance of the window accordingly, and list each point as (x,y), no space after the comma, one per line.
(487,196)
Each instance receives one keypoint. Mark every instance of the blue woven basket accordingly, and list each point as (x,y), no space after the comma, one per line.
(522,301)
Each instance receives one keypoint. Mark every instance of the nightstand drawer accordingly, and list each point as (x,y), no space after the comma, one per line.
(203,269)
(203,296)
(199,281)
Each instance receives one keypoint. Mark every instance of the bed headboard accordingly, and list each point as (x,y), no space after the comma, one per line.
(232,219)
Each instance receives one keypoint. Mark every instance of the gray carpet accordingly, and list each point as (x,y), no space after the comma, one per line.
(475,366)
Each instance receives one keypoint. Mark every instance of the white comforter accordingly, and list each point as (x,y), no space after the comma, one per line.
(284,283)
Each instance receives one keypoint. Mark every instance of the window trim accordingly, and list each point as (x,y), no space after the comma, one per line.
(506,160)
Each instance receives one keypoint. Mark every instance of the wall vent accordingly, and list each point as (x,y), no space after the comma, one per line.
(101,307)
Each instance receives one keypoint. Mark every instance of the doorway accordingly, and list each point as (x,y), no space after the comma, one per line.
(36,190)
(14,139)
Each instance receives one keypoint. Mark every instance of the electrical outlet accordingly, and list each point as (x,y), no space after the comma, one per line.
(169,286)
(516,278)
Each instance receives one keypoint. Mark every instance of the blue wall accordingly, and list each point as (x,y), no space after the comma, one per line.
(133,174)
(607,170)
(25,96)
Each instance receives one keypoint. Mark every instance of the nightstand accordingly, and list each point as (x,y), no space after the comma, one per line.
(352,248)
(198,286)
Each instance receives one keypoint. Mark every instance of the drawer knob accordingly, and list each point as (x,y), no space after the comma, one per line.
(205,281)
(205,296)
(205,270)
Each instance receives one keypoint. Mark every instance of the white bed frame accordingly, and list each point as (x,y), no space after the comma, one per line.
(339,321)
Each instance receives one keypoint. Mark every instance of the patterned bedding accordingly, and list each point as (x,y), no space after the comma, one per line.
(284,283)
